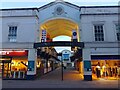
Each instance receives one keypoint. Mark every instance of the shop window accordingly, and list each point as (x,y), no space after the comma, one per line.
(12,36)
(118,32)
(99,34)
(106,69)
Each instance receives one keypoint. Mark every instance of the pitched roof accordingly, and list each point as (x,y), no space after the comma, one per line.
(62,2)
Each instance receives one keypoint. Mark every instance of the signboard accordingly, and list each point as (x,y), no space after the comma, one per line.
(43,38)
(87,65)
(105,57)
(58,43)
(31,65)
(74,34)
(65,57)
(14,53)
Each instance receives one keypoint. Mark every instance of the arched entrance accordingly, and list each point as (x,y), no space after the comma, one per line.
(58,27)
(51,29)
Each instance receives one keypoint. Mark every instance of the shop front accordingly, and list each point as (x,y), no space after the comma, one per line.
(13,64)
(106,68)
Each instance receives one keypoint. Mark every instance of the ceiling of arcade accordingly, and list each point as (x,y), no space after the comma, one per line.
(59,27)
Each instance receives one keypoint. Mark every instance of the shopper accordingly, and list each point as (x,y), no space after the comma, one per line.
(98,70)
(103,70)
(116,72)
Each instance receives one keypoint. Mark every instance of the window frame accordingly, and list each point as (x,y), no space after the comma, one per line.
(116,37)
(100,34)
(12,37)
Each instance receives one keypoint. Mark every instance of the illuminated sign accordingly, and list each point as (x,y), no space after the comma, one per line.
(14,53)
(65,57)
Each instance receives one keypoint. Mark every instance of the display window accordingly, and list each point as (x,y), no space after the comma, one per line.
(13,64)
(108,69)
(12,69)
(19,67)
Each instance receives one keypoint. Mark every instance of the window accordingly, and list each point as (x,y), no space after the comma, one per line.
(12,36)
(118,32)
(99,34)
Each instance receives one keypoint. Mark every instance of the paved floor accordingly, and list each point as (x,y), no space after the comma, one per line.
(69,74)
(72,79)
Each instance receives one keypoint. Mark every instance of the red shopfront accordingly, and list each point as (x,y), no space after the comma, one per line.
(13,64)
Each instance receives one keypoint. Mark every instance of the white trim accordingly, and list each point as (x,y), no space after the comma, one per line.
(98,22)
(115,32)
(104,32)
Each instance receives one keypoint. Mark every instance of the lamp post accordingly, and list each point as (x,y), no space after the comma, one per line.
(62,69)
(60,54)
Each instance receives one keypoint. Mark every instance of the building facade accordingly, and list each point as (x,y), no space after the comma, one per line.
(96,26)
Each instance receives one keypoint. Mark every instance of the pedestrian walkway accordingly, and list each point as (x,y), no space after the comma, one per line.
(72,79)
(69,74)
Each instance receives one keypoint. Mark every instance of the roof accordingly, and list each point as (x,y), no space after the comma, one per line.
(19,9)
(62,2)
(99,6)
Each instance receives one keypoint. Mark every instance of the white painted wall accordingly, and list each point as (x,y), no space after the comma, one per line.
(27,26)
(87,23)
(88,19)
(26,31)
(70,13)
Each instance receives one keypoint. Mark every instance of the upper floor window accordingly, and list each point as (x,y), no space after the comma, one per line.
(99,33)
(12,36)
(118,32)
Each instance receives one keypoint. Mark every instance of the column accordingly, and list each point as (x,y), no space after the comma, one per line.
(32,57)
(87,71)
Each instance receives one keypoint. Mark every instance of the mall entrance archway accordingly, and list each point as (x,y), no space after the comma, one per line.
(47,55)
(57,27)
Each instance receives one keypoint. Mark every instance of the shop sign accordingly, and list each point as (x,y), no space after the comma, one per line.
(87,65)
(14,53)
(58,43)
(31,65)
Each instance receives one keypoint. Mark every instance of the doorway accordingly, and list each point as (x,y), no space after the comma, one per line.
(5,68)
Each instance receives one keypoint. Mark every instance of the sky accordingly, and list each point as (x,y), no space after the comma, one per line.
(38,3)
(62,38)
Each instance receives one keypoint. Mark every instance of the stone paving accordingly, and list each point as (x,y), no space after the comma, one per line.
(72,79)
